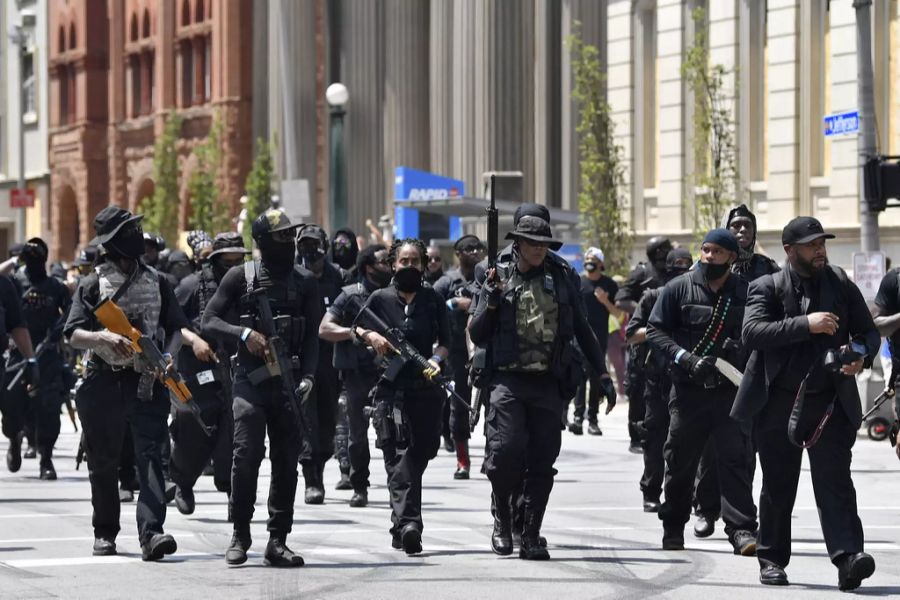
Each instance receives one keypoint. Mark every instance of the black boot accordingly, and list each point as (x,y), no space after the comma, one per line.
(531,548)
(240,543)
(315,493)
(501,537)
(48,472)
(14,453)
(184,500)
(157,547)
(344,483)
(279,555)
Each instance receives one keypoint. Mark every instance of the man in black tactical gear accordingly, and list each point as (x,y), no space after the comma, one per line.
(321,406)
(344,252)
(751,266)
(261,401)
(434,270)
(655,426)
(645,276)
(117,392)
(153,245)
(356,362)
(456,289)
(204,362)
(45,302)
(695,327)
(810,332)
(527,317)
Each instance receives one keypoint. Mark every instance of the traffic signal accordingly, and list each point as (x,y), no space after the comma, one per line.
(882,182)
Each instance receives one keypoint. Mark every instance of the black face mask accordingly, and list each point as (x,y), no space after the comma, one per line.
(408,279)
(379,277)
(36,268)
(712,272)
(673,272)
(128,243)
(218,269)
(312,258)
(590,267)
(278,257)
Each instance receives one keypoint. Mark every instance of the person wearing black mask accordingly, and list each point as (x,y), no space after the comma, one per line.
(597,291)
(655,425)
(412,398)
(112,397)
(178,267)
(153,245)
(526,321)
(45,302)
(260,398)
(344,252)
(456,289)
(810,332)
(645,276)
(695,328)
(321,406)
(434,270)
(356,362)
(204,362)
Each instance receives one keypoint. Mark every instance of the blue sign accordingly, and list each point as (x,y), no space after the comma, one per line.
(842,123)
(573,255)
(421,186)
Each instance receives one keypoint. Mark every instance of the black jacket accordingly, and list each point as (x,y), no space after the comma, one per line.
(774,328)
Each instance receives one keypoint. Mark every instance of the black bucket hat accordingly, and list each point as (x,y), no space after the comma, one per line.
(229,242)
(534,229)
(109,221)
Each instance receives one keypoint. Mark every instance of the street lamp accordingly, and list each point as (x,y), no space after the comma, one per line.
(337,96)
(18,36)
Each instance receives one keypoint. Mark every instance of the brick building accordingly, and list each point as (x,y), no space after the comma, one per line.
(117,69)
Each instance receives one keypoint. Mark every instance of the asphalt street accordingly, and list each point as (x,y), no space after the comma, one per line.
(602,544)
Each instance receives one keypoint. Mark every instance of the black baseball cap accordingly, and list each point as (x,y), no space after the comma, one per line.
(109,221)
(227,243)
(535,229)
(803,230)
(311,231)
(467,242)
(271,221)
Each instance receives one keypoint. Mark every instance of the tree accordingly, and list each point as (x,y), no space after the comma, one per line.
(601,199)
(209,211)
(715,174)
(161,209)
(259,184)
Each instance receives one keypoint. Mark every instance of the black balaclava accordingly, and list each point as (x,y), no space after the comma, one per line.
(277,257)
(657,249)
(408,279)
(127,243)
(344,249)
(34,255)
(674,255)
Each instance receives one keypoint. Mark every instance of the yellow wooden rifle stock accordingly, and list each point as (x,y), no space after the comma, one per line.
(113,318)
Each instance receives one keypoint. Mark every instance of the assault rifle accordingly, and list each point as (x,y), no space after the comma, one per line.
(113,318)
(406,353)
(493,235)
(52,337)
(277,357)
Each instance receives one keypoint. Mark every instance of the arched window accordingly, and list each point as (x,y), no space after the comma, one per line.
(62,39)
(185,13)
(146,25)
(198,14)
(133,35)
(72,39)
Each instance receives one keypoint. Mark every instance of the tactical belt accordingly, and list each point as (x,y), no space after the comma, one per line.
(261,373)
(204,378)
(100,365)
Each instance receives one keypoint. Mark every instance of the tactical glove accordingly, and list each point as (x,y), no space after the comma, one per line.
(32,376)
(609,391)
(699,368)
(491,294)
(305,388)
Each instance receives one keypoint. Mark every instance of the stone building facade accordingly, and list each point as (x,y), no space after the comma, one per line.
(117,70)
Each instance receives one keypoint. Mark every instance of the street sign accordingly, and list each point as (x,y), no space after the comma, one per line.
(842,123)
(19,198)
(868,271)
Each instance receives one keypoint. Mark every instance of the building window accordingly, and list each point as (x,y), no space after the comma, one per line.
(185,13)
(758,100)
(151,80)
(820,96)
(61,41)
(198,17)
(134,67)
(207,72)
(146,26)
(72,39)
(133,36)
(649,103)
(187,73)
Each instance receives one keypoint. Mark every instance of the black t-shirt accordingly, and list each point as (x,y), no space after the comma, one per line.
(87,296)
(44,302)
(642,278)
(12,308)
(888,301)
(597,314)
(454,285)
(423,323)
(352,354)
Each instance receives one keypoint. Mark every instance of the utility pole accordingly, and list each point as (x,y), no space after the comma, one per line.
(868,220)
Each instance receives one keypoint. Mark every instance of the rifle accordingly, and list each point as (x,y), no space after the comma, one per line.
(278,361)
(79,456)
(114,319)
(51,338)
(406,352)
(493,234)
(71,410)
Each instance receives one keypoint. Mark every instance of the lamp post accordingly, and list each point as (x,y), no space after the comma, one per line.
(337,96)
(19,38)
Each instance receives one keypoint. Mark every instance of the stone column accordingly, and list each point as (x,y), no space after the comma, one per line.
(441,61)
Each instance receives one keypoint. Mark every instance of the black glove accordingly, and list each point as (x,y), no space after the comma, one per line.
(609,391)
(304,389)
(32,375)
(699,368)
(491,294)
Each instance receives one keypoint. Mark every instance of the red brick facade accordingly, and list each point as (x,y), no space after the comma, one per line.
(117,69)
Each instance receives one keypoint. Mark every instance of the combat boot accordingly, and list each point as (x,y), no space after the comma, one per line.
(30,451)
(48,472)
(315,493)
(594,428)
(14,453)
(501,537)
(159,545)
(344,483)
(279,555)
(360,499)
(184,500)
(104,546)
(462,460)
(240,543)
(532,548)
(577,426)
(411,538)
